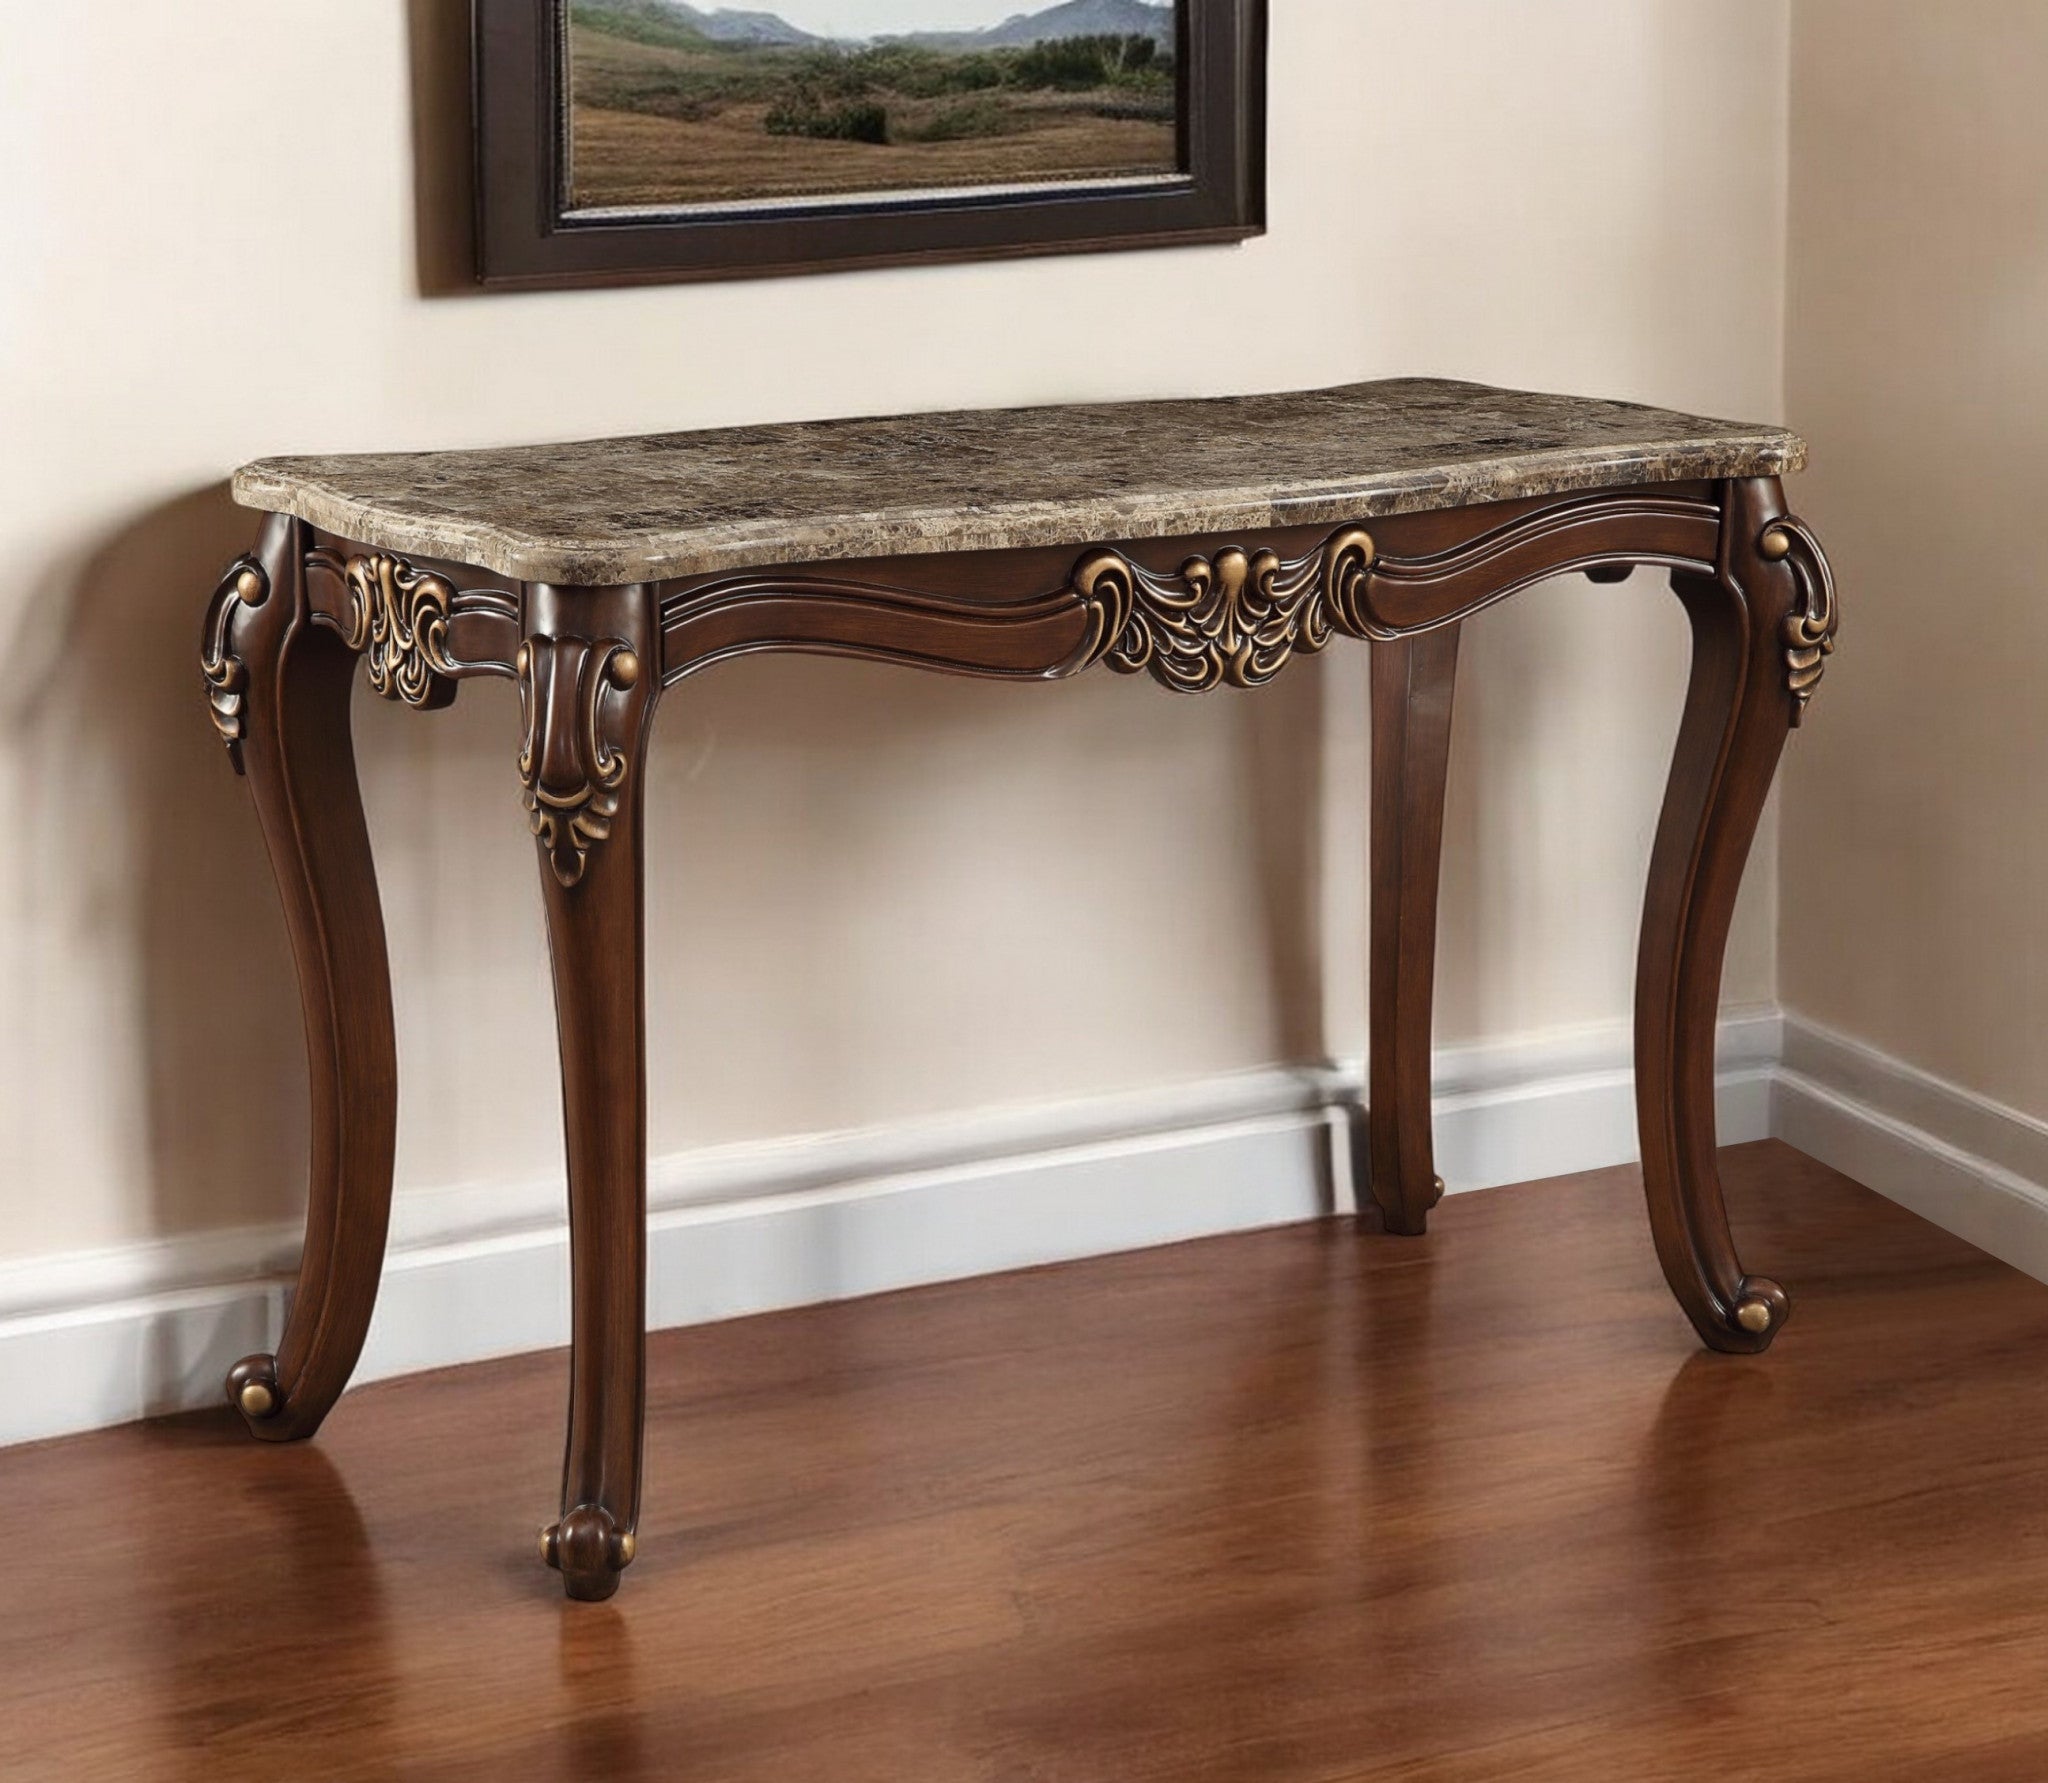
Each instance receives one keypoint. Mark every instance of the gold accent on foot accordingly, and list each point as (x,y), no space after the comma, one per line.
(1754,1315)
(628,1546)
(257,1399)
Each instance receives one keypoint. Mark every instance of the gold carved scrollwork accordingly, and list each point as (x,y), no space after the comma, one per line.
(244,588)
(576,711)
(1809,629)
(398,613)
(1236,618)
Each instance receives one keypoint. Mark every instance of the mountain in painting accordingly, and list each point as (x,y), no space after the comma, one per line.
(1079,18)
(679,24)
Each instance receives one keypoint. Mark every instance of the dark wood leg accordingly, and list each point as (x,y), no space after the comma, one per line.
(585,675)
(1413,679)
(279,686)
(1759,626)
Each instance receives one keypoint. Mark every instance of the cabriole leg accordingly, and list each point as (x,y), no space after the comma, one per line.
(1760,627)
(279,687)
(1413,679)
(586,679)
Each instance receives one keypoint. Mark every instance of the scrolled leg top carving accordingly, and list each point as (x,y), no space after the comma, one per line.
(1233,619)
(578,706)
(242,589)
(1809,629)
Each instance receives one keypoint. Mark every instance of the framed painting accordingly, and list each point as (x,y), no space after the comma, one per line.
(624,141)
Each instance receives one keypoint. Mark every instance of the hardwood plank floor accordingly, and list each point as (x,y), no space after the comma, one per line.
(1295,1506)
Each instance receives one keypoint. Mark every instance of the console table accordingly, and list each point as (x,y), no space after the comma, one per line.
(1204,543)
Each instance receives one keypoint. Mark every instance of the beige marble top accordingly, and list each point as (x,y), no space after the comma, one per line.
(681,504)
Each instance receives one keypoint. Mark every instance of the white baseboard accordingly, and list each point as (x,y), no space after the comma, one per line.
(1518,1112)
(102,1337)
(95,1338)
(1970,1165)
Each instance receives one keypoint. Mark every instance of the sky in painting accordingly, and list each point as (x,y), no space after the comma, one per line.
(871,18)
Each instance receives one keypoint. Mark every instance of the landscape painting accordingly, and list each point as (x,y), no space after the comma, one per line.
(672,107)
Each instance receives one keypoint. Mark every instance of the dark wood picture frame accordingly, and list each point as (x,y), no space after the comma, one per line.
(528,237)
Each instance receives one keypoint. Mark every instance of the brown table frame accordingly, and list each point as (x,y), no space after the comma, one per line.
(289,621)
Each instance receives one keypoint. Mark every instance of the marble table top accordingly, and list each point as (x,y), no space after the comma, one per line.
(684,504)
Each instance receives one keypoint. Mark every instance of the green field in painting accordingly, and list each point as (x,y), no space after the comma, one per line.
(663,116)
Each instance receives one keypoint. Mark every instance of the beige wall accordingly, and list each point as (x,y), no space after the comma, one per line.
(875,894)
(1916,838)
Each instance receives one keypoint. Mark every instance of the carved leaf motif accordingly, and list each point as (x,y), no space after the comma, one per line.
(1238,617)
(399,613)
(244,588)
(1809,629)
(572,765)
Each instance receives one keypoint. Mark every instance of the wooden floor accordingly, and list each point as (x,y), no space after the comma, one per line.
(1294,1505)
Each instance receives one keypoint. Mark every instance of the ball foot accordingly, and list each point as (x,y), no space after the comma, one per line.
(1760,1310)
(589,1550)
(253,1391)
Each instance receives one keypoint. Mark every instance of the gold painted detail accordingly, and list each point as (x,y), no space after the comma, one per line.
(1236,618)
(398,613)
(256,1399)
(1809,629)
(244,588)
(576,713)
(1754,1315)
